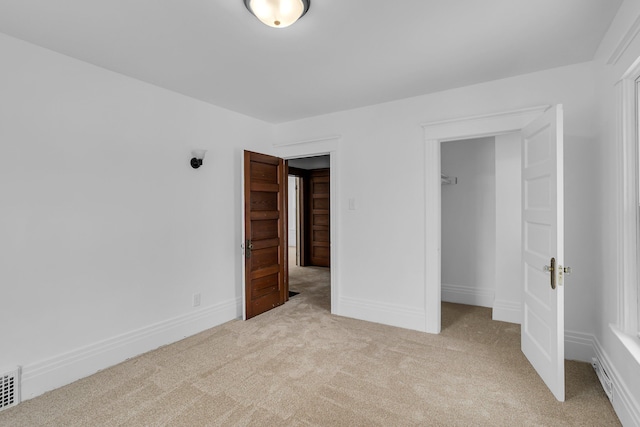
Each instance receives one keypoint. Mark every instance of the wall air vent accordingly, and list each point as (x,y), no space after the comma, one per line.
(9,389)
(606,382)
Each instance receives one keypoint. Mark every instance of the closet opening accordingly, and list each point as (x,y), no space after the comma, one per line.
(481,224)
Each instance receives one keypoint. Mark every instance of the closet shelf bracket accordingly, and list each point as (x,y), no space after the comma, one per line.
(448,180)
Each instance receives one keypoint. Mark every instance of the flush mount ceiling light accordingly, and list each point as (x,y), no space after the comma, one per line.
(278,13)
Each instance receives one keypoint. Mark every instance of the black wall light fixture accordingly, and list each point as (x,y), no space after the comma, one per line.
(198,157)
(278,13)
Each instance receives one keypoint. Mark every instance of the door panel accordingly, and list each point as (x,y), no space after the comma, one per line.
(319,218)
(265,231)
(542,336)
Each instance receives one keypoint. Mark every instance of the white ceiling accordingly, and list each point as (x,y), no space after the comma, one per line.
(342,54)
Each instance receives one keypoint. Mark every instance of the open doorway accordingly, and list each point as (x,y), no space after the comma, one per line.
(309,243)
(468,221)
(481,224)
(542,337)
(481,237)
(266,176)
(328,146)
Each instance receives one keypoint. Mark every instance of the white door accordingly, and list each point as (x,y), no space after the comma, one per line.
(543,239)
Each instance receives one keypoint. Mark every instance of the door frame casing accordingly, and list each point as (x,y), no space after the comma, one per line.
(319,147)
(434,134)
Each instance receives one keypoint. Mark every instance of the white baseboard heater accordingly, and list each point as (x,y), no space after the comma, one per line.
(607,385)
(9,388)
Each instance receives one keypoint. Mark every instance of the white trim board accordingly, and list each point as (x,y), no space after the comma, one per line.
(388,314)
(434,134)
(578,346)
(507,311)
(57,371)
(315,141)
(626,201)
(624,42)
(481,125)
(624,403)
(583,347)
(469,295)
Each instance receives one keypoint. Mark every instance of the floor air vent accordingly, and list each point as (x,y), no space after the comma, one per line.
(9,389)
(607,385)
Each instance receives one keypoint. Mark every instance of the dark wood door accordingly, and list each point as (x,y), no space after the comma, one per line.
(265,231)
(319,227)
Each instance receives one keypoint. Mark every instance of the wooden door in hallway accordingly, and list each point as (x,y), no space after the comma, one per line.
(319,232)
(265,215)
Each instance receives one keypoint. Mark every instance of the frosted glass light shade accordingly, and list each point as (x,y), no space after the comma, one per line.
(277,13)
(198,156)
(199,153)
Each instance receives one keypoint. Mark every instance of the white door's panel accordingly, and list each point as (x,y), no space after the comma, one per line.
(543,238)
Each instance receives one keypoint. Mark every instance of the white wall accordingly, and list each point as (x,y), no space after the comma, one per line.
(469,222)
(381,166)
(106,230)
(508,222)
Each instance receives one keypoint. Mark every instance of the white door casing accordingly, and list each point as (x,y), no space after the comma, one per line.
(317,147)
(542,332)
(434,134)
(550,362)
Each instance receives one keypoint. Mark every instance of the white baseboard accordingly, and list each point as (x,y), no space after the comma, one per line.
(387,314)
(579,346)
(467,295)
(40,377)
(507,311)
(624,403)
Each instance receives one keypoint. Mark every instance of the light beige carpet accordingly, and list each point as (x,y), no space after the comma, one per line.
(300,366)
